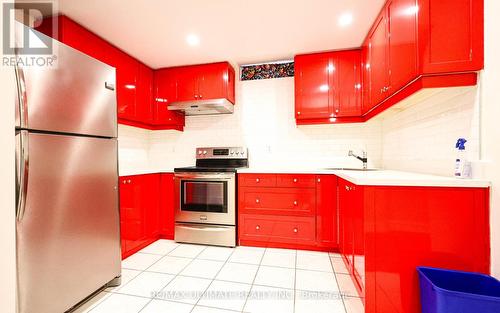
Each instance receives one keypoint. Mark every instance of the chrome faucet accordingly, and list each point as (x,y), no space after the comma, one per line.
(364,159)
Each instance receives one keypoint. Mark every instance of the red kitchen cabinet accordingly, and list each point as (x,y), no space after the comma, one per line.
(166,195)
(144,94)
(379,74)
(165,85)
(347,80)
(312,86)
(205,81)
(366,103)
(450,36)
(402,49)
(326,211)
(139,212)
(327,86)
(297,211)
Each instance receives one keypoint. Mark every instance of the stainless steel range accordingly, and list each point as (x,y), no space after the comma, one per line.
(205,197)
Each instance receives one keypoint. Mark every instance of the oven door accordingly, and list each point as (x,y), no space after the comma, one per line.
(207,198)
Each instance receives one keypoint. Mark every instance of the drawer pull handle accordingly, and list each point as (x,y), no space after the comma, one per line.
(257,227)
(128,181)
(319,180)
(295,203)
(257,180)
(257,201)
(295,230)
(295,180)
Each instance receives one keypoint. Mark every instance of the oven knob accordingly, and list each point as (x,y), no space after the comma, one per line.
(237,152)
(232,152)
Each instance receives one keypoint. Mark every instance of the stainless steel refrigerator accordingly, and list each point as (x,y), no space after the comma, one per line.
(68,235)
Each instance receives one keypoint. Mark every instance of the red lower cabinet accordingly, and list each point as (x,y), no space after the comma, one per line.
(293,211)
(386,232)
(139,211)
(166,197)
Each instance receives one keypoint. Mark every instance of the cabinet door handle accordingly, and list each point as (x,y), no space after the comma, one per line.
(347,188)
(257,201)
(129,181)
(295,230)
(196,96)
(295,203)
(257,227)
(201,96)
(295,180)
(298,113)
(257,180)
(319,180)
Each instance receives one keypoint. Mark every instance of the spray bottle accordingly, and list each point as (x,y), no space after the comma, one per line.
(462,166)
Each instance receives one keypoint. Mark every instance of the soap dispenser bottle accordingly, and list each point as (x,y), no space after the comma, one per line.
(462,166)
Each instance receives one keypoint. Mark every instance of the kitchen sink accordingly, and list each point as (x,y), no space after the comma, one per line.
(350,169)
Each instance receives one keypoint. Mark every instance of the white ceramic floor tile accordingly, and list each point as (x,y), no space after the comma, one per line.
(279,250)
(316,281)
(161,306)
(314,262)
(187,251)
(92,303)
(354,305)
(310,252)
(226,295)
(275,277)
(339,265)
(306,302)
(204,309)
(334,255)
(185,289)
(140,261)
(147,284)
(281,259)
(170,265)
(238,272)
(203,268)
(216,253)
(160,247)
(346,285)
(120,303)
(247,255)
(127,275)
(267,299)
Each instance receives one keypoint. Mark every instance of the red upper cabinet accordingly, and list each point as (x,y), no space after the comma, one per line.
(450,35)
(127,70)
(165,85)
(402,49)
(379,74)
(205,81)
(347,79)
(144,94)
(365,77)
(312,86)
(328,85)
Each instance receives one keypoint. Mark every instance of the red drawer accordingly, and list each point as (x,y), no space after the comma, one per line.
(296,180)
(288,201)
(277,229)
(256,180)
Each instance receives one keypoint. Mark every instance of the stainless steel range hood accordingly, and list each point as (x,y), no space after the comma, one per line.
(203,107)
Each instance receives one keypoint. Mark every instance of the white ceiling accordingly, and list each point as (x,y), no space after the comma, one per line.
(239,31)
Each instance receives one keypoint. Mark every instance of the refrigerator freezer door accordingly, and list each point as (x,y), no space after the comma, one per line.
(68,239)
(73,96)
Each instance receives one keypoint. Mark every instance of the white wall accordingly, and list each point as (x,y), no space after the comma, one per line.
(419,133)
(490,144)
(133,147)
(264,122)
(7,193)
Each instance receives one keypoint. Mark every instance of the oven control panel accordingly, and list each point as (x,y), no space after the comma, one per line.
(222,153)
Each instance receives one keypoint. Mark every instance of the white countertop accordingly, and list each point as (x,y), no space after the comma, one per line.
(131,172)
(381,177)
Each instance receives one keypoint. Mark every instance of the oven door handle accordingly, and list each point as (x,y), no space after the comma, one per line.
(211,228)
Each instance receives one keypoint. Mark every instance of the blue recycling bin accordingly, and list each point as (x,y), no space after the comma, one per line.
(447,291)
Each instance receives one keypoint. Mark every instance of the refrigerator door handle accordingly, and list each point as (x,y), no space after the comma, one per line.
(22,154)
(22,96)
